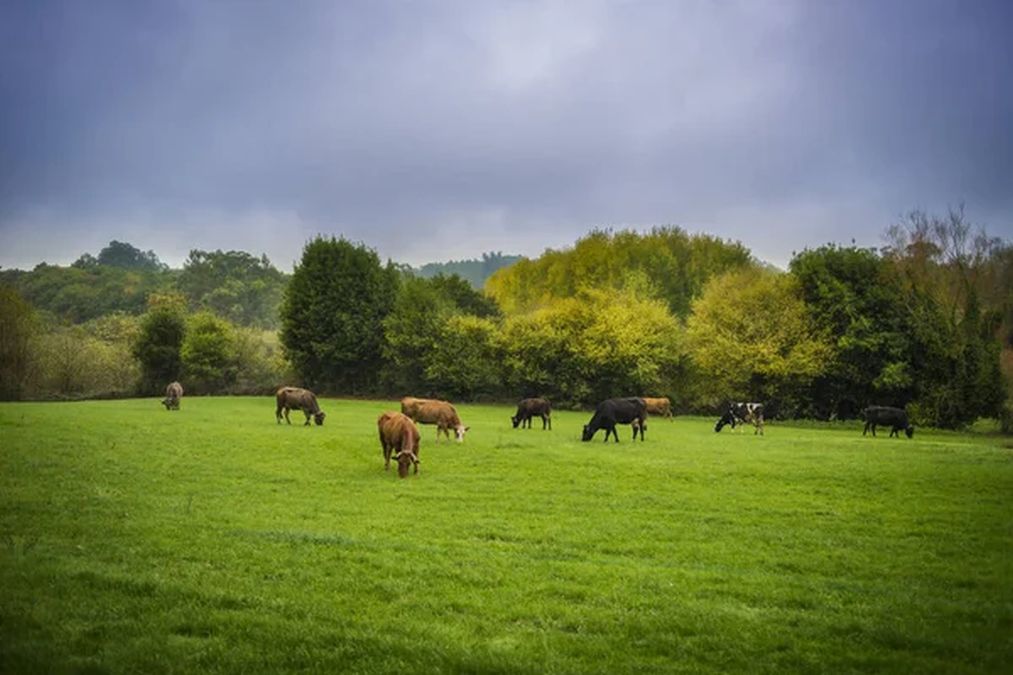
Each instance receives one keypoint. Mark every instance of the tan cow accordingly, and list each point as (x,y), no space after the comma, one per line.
(173,393)
(431,411)
(399,436)
(295,398)
(662,407)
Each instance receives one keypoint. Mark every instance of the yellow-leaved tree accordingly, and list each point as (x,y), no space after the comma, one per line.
(749,337)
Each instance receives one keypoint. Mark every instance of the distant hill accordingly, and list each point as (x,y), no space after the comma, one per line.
(473,271)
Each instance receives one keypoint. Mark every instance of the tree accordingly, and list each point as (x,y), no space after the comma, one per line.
(235,285)
(208,354)
(122,254)
(17,327)
(854,298)
(158,344)
(751,337)
(332,315)
(464,362)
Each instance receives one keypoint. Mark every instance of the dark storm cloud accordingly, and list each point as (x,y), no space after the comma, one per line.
(438,130)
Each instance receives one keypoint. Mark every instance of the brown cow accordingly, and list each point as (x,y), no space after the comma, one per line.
(662,407)
(294,398)
(440,413)
(400,436)
(173,393)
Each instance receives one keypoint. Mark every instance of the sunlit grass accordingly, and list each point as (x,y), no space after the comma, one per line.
(211,539)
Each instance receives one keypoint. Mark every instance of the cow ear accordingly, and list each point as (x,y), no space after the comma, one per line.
(467,428)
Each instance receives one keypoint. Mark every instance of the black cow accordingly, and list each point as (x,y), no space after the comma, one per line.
(742,413)
(615,411)
(895,417)
(533,407)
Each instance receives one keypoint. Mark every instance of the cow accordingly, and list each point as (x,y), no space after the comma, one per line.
(295,398)
(399,437)
(662,407)
(173,392)
(742,413)
(613,411)
(895,417)
(533,407)
(430,411)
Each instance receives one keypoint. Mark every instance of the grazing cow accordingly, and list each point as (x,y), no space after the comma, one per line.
(173,393)
(441,413)
(895,417)
(662,407)
(533,407)
(615,411)
(743,413)
(295,398)
(399,436)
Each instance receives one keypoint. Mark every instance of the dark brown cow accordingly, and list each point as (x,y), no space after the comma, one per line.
(533,407)
(440,413)
(173,393)
(294,398)
(399,436)
(661,407)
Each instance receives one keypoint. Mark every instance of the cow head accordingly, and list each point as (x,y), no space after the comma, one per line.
(587,433)
(405,459)
(319,418)
(516,419)
(167,403)
(910,431)
(459,432)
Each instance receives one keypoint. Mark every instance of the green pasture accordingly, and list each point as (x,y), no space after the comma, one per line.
(135,540)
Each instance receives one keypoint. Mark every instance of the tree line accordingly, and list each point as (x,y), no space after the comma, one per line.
(926,323)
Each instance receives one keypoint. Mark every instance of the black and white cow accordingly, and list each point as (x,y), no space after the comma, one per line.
(896,418)
(742,413)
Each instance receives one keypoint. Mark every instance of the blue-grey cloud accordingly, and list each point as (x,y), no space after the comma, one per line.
(439,130)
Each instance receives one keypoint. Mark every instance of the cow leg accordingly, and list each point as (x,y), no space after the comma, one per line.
(287,420)
(277,414)
(867,425)
(873,429)
(307,418)
(549,418)
(386,458)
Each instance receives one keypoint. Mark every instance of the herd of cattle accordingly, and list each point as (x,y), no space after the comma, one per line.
(399,434)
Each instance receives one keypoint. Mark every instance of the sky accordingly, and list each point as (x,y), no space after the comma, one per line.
(439,130)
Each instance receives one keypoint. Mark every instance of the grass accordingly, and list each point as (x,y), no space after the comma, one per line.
(213,540)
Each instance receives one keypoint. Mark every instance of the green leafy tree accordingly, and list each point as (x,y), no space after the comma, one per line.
(158,343)
(332,315)
(126,256)
(235,285)
(854,298)
(464,362)
(208,354)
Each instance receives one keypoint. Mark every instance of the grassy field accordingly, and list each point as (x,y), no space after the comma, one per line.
(211,539)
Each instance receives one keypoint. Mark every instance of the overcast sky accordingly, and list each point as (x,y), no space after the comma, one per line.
(439,130)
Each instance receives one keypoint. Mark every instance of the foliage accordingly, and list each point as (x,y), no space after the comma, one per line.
(332,315)
(290,549)
(126,256)
(235,285)
(475,272)
(17,325)
(853,296)
(676,263)
(260,362)
(600,344)
(208,354)
(751,338)
(157,346)
(79,294)
(464,361)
